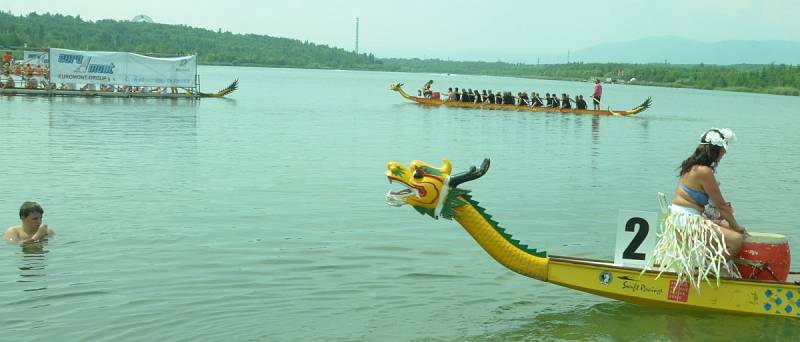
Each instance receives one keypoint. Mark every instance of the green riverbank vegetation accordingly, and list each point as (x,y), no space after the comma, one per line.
(226,48)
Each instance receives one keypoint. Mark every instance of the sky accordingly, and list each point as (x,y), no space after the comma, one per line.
(511,30)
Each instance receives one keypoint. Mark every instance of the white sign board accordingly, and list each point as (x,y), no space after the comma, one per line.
(35,58)
(121,68)
(636,238)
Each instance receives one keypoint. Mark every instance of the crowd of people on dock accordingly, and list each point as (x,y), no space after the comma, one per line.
(17,74)
(20,75)
(533,99)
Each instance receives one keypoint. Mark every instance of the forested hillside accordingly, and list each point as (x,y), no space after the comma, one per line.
(55,30)
(772,78)
(226,48)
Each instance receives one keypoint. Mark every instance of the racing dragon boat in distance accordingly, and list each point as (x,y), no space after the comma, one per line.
(439,102)
(434,192)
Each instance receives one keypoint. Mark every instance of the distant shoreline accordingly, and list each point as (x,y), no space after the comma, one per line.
(781,91)
(229,49)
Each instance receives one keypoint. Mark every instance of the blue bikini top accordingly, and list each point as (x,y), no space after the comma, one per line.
(699,197)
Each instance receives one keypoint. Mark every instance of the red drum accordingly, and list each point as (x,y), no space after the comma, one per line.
(766,257)
(436,95)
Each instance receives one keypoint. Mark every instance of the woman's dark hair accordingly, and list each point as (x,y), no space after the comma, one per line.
(28,208)
(705,154)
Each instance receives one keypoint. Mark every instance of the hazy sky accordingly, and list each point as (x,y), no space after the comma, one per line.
(460,30)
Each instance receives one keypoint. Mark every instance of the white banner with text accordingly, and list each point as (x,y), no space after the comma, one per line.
(35,58)
(121,68)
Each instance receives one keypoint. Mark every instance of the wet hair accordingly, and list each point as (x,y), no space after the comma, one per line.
(28,208)
(705,154)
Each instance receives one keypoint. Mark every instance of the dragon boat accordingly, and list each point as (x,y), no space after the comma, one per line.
(434,192)
(398,87)
(187,93)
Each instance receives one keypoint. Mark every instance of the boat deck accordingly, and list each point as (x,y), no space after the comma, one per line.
(92,93)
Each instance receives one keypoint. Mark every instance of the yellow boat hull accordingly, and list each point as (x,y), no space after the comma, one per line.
(740,296)
(435,192)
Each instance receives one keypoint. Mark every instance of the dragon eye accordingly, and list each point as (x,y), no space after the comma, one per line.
(418,173)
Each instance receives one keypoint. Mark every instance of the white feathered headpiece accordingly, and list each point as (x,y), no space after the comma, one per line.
(718,136)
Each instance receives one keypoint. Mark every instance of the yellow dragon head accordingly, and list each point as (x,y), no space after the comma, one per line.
(428,189)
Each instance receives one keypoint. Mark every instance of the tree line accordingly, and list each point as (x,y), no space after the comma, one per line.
(778,79)
(226,48)
(211,47)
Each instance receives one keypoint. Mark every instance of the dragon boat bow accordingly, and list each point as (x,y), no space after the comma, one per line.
(398,87)
(434,192)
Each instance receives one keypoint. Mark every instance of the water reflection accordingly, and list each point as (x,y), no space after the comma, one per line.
(618,321)
(32,269)
(124,114)
(595,141)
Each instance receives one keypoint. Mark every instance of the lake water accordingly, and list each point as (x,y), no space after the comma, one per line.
(262,216)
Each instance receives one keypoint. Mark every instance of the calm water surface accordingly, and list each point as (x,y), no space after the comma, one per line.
(262,217)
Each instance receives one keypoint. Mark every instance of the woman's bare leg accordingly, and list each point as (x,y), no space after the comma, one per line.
(733,241)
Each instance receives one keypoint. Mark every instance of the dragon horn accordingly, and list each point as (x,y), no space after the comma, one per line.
(472,174)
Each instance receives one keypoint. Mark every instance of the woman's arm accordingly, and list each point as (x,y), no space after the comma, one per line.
(709,182)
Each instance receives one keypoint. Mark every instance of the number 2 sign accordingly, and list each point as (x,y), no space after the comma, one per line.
(636,238)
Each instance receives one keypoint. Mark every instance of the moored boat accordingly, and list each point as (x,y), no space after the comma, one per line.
(63,72)
(398,87)
(434,192)
(186,94)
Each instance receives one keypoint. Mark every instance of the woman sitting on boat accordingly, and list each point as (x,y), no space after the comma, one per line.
(426,89)
(691,244)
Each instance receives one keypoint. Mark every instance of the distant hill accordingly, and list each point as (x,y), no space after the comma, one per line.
(676,50)
(211,47)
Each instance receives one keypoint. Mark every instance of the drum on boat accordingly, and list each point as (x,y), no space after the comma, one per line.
(766,257)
